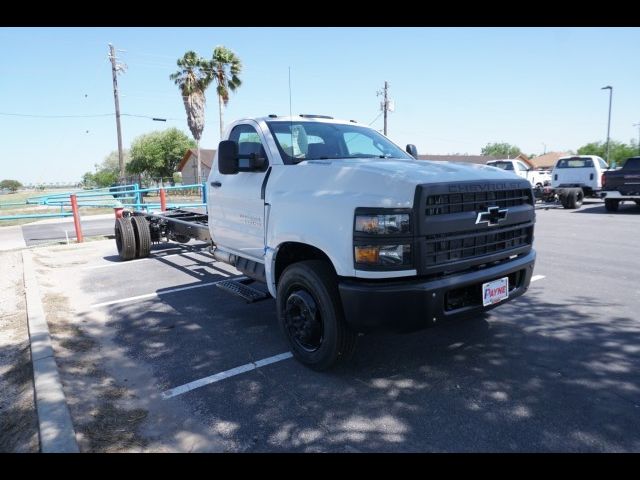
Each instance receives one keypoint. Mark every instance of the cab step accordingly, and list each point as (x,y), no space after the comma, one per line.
(238,288)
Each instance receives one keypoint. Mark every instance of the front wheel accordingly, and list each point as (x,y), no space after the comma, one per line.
(310,315)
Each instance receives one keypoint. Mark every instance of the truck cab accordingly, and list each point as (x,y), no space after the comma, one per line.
(350,233)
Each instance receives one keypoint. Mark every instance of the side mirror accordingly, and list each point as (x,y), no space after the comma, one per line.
(228,157)
(412,150)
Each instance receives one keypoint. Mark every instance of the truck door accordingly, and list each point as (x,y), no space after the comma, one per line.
(236,209)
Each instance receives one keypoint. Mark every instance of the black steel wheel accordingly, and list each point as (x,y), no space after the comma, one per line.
(125,238)
(310,315)
(143,236)
(303,320)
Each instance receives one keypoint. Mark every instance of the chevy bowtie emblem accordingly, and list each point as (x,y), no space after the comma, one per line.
(492,216)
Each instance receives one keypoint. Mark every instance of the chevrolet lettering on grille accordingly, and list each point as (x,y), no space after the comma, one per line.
(492,216)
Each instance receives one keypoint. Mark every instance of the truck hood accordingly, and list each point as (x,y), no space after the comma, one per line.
(421,171)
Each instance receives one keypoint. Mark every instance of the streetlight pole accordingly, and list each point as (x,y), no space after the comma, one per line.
(610,88)
(638,125)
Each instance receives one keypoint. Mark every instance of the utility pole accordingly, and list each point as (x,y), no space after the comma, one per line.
(115,67)
(385,103)
(638,125)
(610,88)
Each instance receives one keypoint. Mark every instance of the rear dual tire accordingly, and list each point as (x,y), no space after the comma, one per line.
(143,236)
(572,199)
(133,237)
(125,238)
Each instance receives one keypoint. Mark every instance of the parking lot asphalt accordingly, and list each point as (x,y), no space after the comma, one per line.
(37,233)
(554,370)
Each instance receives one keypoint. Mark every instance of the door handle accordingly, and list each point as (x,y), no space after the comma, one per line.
(216,184)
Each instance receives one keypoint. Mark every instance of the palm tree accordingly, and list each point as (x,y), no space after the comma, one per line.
(192,79)
(225,67)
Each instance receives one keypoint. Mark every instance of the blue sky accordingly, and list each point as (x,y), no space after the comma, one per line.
(455,89)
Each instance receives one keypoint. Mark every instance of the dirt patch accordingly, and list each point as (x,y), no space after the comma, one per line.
(101,421)
(18,419)
(114,429)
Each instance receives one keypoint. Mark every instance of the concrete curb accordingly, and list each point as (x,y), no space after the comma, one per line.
(54,420)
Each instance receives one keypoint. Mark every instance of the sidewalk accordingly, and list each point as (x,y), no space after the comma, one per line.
(11,238)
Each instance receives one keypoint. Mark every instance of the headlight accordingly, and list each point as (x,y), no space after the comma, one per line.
(383,255)
(387,224)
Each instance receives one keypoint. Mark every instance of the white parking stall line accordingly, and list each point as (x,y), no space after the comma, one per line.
(157,294)
(535,278)
(187,387)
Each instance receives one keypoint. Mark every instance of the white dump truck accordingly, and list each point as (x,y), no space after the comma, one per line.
(350,233)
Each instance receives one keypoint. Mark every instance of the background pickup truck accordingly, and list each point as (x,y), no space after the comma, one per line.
(536,178)
(622,184)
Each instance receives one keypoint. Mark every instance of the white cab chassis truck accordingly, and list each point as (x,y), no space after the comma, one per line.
(350,233)
(573,179)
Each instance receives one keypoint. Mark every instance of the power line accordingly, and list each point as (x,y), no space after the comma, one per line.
(56,116)
(373,121)
(87,116)
(147,116)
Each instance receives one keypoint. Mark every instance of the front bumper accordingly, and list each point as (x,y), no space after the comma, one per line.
(409,305)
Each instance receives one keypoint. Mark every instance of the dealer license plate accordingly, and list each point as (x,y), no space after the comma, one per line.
(496,291)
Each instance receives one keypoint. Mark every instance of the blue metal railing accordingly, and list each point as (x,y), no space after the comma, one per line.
(125,196)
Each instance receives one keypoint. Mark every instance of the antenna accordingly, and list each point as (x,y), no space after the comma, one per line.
(290,113)
(290,110)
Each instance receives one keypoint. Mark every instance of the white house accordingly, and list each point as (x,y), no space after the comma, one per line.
(188,166)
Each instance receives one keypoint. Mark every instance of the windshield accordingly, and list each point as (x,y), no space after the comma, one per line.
(298,141)
(576,162)
(502,165)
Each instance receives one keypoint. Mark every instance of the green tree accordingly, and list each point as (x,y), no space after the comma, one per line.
(618,151)
(503,149)
(11,185)
(107,172)
(225,67)
(193,79)
(157,154)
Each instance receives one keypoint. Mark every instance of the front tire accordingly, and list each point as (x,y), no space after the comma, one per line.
(311,317)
